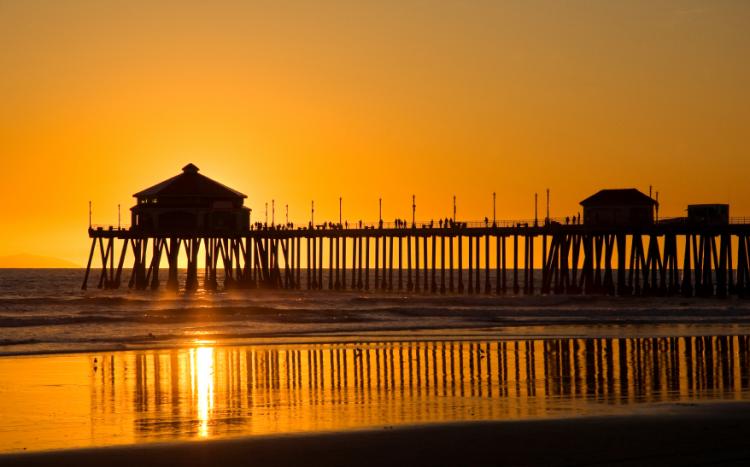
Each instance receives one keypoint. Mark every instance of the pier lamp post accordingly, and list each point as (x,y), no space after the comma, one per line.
(273,211)
(657,206)
(380,210)
(413,211)
(340,223)
(266,212)
(312,213)
(454,208)
(287,214)
(494,219)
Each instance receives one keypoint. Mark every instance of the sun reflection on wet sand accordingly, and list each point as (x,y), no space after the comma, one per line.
(202,371)
(211,391)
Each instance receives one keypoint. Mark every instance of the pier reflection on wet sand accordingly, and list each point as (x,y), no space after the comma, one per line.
(211,391)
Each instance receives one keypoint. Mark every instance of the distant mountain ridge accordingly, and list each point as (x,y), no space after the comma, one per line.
(24,260)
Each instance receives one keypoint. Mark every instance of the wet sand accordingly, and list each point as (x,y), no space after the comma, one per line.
(673,434)
(207,392)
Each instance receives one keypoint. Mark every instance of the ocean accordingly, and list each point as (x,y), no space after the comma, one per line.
(45,311)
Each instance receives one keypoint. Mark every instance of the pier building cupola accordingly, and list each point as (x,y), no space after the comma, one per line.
(189,203)
(628,208)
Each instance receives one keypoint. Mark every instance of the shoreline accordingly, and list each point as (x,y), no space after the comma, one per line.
(119,324)
(465,333)
(651,435)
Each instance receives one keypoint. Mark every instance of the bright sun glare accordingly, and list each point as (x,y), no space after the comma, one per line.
(202,370)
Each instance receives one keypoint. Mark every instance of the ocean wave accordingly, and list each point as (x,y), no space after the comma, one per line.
(376,311)
(7,342)
(15,322)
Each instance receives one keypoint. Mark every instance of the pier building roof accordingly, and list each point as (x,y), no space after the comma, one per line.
(618,197)
(189,184)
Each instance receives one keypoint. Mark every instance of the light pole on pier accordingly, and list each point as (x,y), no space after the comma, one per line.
(657,205)
(494,219)
(287,214)
(273,211)
(454,208)
(413,210)
(266,212)
(340,223)
(312,213)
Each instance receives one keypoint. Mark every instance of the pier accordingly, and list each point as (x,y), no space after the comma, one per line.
(457,259)
(641,256)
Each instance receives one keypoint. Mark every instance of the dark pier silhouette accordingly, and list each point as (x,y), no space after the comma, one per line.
(618,248)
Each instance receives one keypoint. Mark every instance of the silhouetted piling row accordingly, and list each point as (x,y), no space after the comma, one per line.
(660,260)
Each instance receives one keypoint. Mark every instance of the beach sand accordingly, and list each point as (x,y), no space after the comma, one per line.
(662,434)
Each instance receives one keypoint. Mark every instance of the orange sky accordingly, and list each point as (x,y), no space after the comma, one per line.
(315,100)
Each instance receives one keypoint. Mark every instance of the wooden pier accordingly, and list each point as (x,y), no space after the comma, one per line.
(620,248)
(666,258)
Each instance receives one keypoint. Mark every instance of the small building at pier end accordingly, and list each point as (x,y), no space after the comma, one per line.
(626,207)
(190,203)
(708,214)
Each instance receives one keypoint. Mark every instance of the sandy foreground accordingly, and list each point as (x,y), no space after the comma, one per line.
(674,434)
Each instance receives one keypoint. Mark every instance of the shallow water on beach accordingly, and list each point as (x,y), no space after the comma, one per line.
(208,391)
(44,311)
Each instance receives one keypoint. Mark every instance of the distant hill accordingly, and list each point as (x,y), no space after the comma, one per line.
(34,261)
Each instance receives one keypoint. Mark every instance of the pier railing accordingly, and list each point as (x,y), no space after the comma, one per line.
(109,227)
(422,224)
(687,221)
(419,224)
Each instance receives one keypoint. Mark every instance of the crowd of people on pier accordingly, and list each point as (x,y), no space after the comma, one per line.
(446,223)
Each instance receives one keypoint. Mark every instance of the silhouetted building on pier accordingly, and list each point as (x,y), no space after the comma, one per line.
(190,203)
(708,214)
(618,208)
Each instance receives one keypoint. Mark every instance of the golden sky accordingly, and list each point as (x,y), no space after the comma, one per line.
(296,100)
